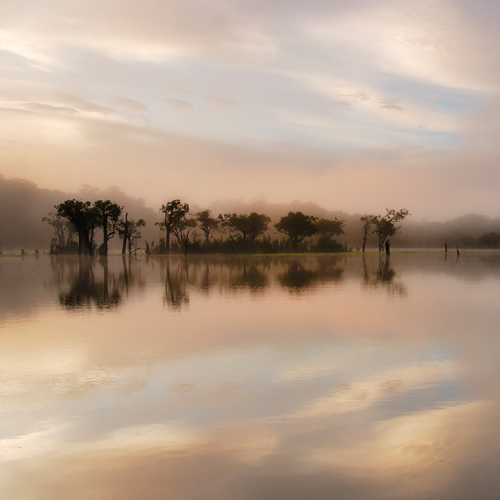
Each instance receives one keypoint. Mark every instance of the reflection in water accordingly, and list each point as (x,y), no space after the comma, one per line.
(298,277)
(384,276)
(253,393)
(176,284)
(247,275)
(86,290)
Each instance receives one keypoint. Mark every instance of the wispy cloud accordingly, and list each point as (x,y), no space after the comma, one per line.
(178,104)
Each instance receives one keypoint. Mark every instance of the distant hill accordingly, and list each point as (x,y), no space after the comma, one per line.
(23,204)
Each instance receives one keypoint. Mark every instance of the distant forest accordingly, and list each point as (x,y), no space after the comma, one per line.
(23,206)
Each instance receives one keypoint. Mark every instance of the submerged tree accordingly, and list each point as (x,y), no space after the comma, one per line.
(297,227)
(129,232)
(64,231)
(82,216)
(107,215)
(368,221)
(174,212)
(385,225)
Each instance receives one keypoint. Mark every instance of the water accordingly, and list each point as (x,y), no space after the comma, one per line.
(250,378)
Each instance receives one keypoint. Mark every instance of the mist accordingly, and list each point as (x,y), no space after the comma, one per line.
(23,205)
(353,107)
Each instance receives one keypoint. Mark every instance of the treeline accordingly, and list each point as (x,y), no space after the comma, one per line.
(75,223)
(23,204)
(490,240)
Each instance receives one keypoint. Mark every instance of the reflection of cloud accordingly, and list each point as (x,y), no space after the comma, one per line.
(357,396)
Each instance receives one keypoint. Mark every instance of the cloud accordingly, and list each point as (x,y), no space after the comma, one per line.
(378,92)
(178,104)
(131,104)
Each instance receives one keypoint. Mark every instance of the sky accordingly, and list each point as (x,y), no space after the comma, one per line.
(356,105)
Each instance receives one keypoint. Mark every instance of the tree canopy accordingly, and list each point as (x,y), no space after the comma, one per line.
(174,212)
(385,225)
(297,227)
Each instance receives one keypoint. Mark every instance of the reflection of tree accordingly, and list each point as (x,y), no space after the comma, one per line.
(384,277)
(298,278)
(85,289)
(248,276)
(176,284)
(129,277)
(61,266)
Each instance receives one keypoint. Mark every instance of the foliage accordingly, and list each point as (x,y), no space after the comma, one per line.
(250,226)
(489,240)
(62,241)
(385,225)
(207,223)
(82,216)
(174,212)
(107,216)
(129,232)
(297,227)
(182,231)
(368,221)
(327,229)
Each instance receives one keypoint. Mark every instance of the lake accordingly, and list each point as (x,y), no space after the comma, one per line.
(310,377)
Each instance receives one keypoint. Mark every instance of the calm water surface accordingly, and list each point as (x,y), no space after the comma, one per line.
(250,378)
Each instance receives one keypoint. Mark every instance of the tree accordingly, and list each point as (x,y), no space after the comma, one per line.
(82,216)
(385,225)
(62,241)
(297,227)
(258,224)
(129,232)
(250,226)
(368,221)
(182,231)
(489,240)
(207,223)
(107,214)
(174,212)
(225,224)
(327,229)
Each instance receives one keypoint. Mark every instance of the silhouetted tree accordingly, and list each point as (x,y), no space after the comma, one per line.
(129,232)
(207,223)
(385,225)
(182,231)
(174,212)
(327,229)
(297,227)
(368,221)
(250,226)
(107,214)
(489,240)
(62,241)
(82,216)
(225,224)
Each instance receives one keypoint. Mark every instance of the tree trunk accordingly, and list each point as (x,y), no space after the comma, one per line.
(105,236)
(167,241)
(125,234)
